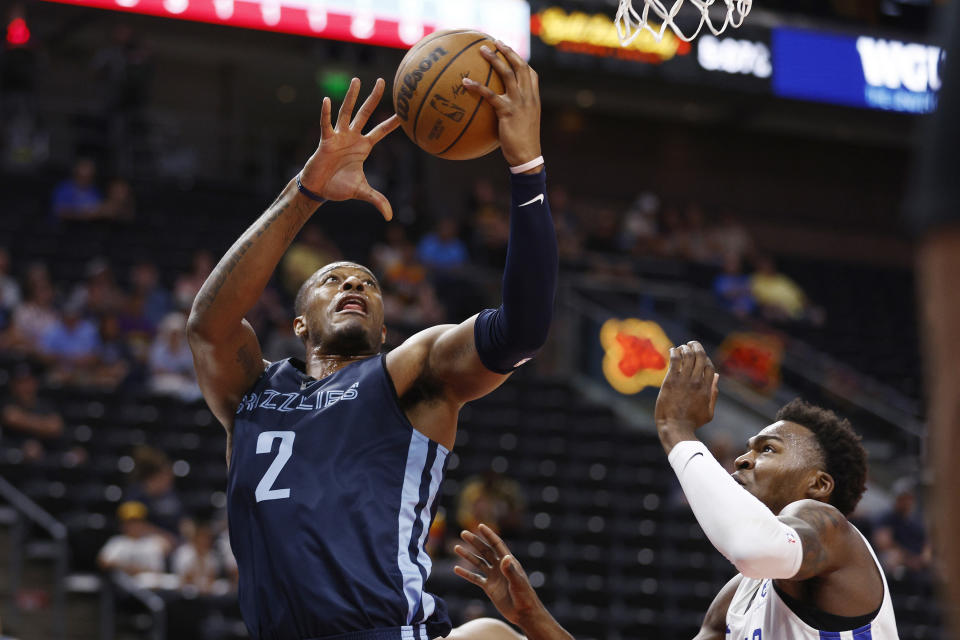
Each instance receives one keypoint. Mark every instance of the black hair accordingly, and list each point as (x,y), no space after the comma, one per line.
(843,452)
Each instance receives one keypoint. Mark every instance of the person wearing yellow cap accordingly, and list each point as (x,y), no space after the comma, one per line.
(137,549)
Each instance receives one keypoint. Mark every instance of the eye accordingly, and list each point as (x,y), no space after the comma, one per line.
(769,448)
(370,283)
(330,278)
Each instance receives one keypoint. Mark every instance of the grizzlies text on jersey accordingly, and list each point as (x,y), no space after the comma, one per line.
(331,493)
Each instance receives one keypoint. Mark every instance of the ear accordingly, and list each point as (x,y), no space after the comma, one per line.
(300,327)
(383,335)
(821,486)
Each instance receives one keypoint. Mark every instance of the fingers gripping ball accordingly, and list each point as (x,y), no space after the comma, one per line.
(436,112)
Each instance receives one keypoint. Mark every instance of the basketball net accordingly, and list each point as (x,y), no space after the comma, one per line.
(631,23)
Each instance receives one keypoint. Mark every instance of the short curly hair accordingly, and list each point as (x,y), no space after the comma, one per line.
(843,453)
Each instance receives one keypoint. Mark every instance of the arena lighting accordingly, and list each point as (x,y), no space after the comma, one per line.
(596,35)
(18,34)
(387,23)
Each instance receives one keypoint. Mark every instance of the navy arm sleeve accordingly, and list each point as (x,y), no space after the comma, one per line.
(512,334)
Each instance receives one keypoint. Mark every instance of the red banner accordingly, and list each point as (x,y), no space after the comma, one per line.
(386,23)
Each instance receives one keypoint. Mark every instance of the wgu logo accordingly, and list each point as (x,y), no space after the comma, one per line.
(895,65)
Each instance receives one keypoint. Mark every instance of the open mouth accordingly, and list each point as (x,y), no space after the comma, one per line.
(352,304)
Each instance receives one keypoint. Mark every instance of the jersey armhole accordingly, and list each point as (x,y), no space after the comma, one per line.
(821,620)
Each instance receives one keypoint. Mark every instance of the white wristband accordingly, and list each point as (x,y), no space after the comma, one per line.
(526,166)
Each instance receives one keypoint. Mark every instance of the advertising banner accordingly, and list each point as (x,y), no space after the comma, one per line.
(388,23)
(856,71)
(588,40)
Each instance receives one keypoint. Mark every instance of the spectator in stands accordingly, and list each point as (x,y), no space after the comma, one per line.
(153,486)
(409,299)
(188,284)
(310,252)
(899,535)
(29,422)
(442,249)
(70,347)
(9,290)
(35,316)
(153,301)
(113,358)
(489,228)
(730,237)
(120,204)
(638,233)
(492,499)
(389,252)
(696,244)
(78,198)
(171,363)
(732,288)
(137,549)
(98,293)
(778,296)
(196,561)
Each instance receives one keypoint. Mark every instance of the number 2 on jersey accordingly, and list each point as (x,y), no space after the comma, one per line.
(265,490)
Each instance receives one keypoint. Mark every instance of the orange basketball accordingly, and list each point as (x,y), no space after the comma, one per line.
(435,110)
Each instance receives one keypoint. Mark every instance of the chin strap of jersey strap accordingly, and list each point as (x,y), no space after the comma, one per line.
(741,527)
(509,336)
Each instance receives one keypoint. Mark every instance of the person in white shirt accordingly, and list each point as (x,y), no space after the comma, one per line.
(137,549)
(196,562)
(805,572)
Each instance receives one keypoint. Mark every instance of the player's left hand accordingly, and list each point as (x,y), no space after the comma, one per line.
(689,392)
(518,110)
(499,574)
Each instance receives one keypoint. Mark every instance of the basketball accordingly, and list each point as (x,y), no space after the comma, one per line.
(435,110)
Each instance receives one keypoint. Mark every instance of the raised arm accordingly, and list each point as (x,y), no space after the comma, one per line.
(809,538)
(226,352)
(494,569)
(714,625)
(471,359)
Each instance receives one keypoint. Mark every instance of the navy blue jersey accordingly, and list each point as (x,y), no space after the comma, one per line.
(331,493)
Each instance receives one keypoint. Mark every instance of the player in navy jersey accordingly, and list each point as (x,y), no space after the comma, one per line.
(335,461)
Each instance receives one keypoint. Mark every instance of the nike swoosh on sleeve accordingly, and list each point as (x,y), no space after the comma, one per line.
(539,199)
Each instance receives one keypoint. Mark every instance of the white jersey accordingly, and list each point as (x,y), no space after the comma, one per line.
(757,612)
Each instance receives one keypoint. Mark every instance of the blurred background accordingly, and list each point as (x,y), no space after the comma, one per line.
(742,190)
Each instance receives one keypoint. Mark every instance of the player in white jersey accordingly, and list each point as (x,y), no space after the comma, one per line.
(805,572)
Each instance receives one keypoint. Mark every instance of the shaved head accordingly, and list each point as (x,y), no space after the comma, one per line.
(298,305)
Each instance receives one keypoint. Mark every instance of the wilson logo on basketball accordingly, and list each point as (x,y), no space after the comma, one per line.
(410,81)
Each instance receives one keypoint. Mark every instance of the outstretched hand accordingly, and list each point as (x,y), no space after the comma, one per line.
(518,110)
(499,574)
(689,392)
(335,170)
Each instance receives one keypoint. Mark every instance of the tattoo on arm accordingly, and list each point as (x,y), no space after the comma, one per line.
(248,362)
(221,273)
(817,526)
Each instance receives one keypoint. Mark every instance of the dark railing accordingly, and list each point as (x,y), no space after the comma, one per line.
(29,513)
